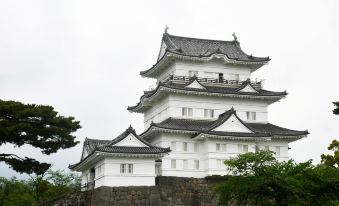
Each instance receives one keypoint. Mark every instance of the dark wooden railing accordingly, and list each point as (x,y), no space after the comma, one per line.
(211,80)
(88,186)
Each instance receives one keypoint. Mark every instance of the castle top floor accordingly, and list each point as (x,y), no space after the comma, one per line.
(205,58)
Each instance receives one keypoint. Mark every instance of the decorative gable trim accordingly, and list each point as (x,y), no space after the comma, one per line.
(232,124)
(130,141)
(195,84)
(248,88)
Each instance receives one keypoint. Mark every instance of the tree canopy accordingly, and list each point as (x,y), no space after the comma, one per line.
(260,179)
(55,185)
(336,110)
(37,125)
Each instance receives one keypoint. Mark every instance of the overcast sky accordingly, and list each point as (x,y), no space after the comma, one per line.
(84,57)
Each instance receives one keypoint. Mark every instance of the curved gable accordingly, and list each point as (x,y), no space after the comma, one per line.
(232,124)
(130,141)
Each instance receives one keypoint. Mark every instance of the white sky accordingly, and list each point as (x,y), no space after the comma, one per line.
(84,57)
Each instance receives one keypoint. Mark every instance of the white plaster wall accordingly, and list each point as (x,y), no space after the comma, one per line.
(218,104)
(143,172)
(207,154)
(131,141)
(172,105)
(209,69)
(157,113)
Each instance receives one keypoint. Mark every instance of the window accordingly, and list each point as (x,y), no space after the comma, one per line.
(130,168)
(245,148)
(251,116)
(99,170)
(192,73)
(221,77)
(196,147)
(185,164)
(173,146)
(126,168)
(122,168)
(242,148)
(187,112)
(184,146)
(196,164)
(277,151)
(173,164)
(208,113)
(220,147)
(217,147)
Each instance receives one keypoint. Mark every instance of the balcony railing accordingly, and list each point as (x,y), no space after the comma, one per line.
(88,186)
(214,81)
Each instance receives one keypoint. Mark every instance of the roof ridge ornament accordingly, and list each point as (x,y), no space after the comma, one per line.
(235,37)
(167,28)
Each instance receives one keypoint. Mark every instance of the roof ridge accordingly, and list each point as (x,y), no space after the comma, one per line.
(203,39)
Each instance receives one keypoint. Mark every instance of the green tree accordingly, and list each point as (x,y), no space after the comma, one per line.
(61,184)
(259,179)
(332,160)
(54,185)
(37,125)
(14,192)
(336,110)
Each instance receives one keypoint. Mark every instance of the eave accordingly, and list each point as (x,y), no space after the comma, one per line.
(97,155)
(171,56)
(146,102)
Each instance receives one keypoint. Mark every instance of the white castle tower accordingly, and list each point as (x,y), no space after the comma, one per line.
(206,108)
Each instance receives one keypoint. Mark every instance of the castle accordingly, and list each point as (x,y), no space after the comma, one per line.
(204,109)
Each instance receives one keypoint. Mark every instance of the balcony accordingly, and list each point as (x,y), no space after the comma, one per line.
(212,81)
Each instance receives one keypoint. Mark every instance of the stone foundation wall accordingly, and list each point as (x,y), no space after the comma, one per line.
(169,191)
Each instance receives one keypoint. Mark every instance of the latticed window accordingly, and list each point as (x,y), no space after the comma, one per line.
(220,147)
(187,112)
(208,113)
(185,164)
(251,116)
(184,146)
(130,168)
(196,164)
(242,148)
(122,168)
(126,168)
(277,151)
(173,146)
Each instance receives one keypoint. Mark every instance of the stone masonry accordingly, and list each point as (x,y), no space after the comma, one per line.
(169,191)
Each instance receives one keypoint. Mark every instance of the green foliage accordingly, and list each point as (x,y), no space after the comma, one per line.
(56,184)
(15,192)
(37,125)
(60,184)
(332,160)
(336,110)
(259,179)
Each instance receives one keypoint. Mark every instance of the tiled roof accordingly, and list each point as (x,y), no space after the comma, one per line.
(207,126)
(210,89)
(93,145)
(206,47)
(202,48)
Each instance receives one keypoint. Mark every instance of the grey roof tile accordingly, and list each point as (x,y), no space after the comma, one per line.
(206,47)
(207,126)
(210,89)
